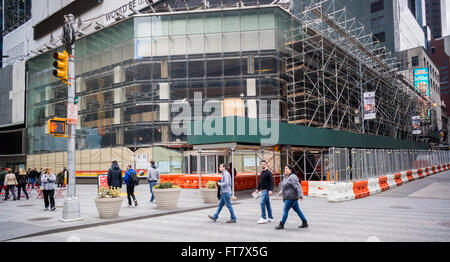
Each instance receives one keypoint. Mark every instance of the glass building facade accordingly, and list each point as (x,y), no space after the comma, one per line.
(130,74)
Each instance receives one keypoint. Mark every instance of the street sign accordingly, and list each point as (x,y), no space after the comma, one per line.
(57,127)
(72,114)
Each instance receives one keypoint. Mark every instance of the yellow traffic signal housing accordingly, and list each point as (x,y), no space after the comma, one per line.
(62,66)
(57,127)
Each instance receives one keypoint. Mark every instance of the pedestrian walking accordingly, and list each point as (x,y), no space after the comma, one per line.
(115,178)
(153,177)
(3,174)
(291,190)
(22,179)
(225,197)
(48,180)
(60,179)
(265,186)
(10,183)
(131,180)
(33,176)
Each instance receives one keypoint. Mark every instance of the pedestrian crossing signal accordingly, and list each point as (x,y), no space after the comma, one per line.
(62,66)
(57,127)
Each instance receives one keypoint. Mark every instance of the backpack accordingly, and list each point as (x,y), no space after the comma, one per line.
(134,178)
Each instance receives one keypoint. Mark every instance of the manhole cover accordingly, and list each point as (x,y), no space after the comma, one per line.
(446,224)
(40,219)
(401,207)
(25,206)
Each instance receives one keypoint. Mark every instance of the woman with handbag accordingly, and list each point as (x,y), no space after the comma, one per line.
(48,187)
(10,182)
(291,189)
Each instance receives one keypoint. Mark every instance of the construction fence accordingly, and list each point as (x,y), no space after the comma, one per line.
(345,165)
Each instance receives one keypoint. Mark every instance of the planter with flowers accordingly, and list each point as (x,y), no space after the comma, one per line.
(209,193)
(167,195)
(108,202)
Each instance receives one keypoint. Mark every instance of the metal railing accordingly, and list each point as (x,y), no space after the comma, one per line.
(362,164)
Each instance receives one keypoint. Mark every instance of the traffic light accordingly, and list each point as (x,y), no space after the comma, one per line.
(57,127)
(62,66)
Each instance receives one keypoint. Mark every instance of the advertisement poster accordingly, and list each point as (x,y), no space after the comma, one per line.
(369,106)
(417,130)
(102,181)
(164,167)
(422,81)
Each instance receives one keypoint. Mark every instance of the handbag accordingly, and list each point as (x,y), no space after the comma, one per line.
(257,196)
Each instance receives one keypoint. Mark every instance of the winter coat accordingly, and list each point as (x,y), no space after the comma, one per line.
(48,181)
(291,188)
(10,180)
(22,179)
(127,177)
(60,178)
(115,178)
(2,177)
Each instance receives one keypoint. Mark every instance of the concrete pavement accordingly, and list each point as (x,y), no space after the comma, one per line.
(417,211)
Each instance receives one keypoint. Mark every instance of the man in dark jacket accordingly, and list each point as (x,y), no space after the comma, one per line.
(2,178)
(115,178)
(266,187)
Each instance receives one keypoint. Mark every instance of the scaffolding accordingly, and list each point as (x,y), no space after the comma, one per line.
(333,62)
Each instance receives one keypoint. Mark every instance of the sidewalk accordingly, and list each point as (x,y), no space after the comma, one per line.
(27,217)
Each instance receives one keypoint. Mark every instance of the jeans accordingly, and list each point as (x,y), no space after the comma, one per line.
(265,203)
(49,194)
(130,194)
(10,188)
(225,199)
(288,204)
(24,187)
(152,184)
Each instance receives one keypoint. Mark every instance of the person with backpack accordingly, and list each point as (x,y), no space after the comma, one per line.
(131,180)
(152,178)
(291,189)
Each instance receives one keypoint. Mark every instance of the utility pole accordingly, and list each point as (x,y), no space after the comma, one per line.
(71,210)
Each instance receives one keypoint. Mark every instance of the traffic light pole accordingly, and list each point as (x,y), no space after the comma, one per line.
(71,210)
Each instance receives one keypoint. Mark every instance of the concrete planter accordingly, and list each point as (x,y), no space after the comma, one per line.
(108,207)
(167,198)
(210,195)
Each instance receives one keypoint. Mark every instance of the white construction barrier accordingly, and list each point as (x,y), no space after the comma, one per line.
(391,181)
(374,186)
(318,188)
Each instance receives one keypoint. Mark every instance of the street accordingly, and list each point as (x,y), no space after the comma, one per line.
(415,212)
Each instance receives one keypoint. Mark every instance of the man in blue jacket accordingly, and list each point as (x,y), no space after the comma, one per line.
(130,185)
(225,197)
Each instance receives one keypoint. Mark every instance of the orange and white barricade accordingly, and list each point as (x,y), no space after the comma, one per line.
(374,186)
(339,192)
(318,188)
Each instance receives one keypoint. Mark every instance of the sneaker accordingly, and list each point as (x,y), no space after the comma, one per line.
(280,226)
(135,203)
(212,218)
(304,225)
(231,221)
(130,206)
(53,209)
(262,221)
(46,209)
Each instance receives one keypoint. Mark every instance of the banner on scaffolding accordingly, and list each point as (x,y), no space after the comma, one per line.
(422,81)
(369,106)
(417,129)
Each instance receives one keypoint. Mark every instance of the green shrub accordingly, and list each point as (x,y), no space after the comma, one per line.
(211,185)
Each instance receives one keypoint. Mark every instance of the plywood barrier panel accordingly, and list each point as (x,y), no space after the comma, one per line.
(59,159)
(85,167)
(116,154)
(95,156)
(85,157)
(94,167)
(106,155)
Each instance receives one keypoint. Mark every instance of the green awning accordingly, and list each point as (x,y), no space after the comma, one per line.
(261,132)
